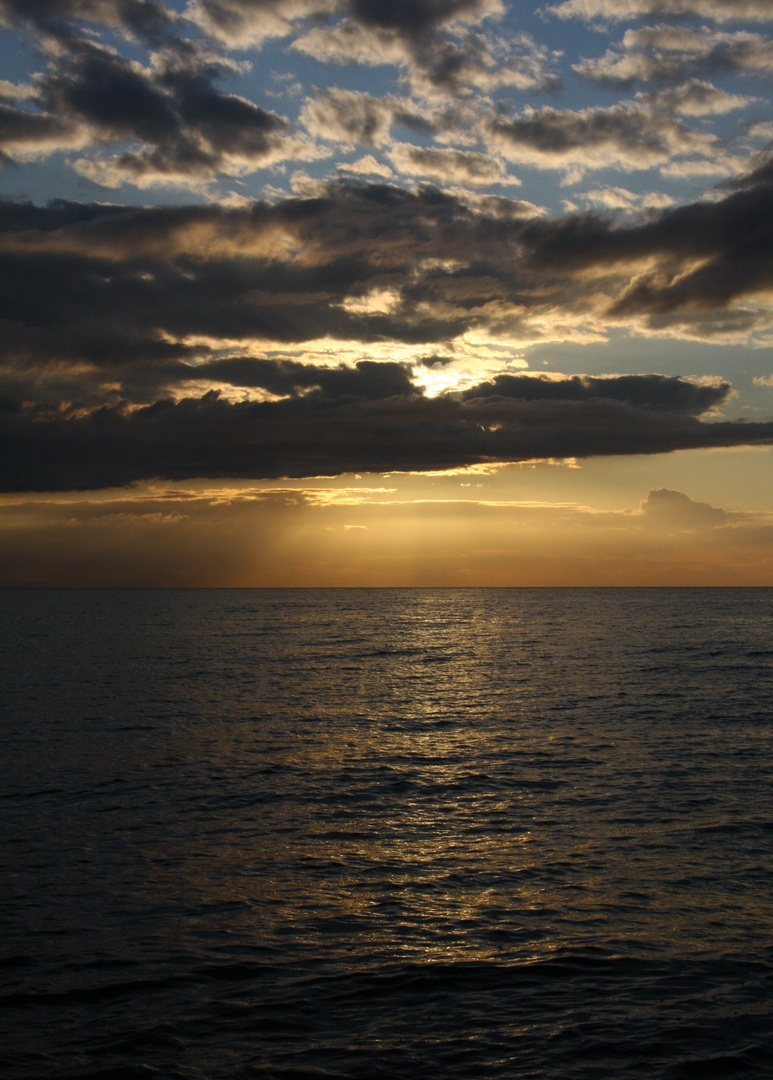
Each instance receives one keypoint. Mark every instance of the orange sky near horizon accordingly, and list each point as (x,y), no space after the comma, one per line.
(331,535)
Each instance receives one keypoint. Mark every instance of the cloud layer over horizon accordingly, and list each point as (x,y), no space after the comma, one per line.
(124,327)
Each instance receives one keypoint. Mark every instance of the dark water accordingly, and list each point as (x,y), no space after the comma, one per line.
(442,833)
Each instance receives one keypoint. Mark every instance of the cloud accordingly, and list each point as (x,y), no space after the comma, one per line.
(718,10)
(172,121)
(697,98)
(671,54)
(241,23)
(723,267)
(628,136)
(367,166)
(165,120)
(658,392)
(673,509)
(145,19)
(105,296)
(186,127)
(707,256)
(618,198)
(434,44)
(25,135)
(290,273)
(446,166)
(352,117)
(437,43)
(287,378)
(318,434)
(356,118)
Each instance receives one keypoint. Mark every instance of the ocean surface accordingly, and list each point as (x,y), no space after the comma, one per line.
(386,834)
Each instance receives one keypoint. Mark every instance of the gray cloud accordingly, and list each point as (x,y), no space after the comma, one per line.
(708,255)
(696,98)
(672,54)
(414,19)
(446,61)
(175,123)
(674,509)
(188,129)
(102,308)
(241,22)
(215,273)
(353,117)
(145,19)
(439,45)
(367,379)
(628,136)
(207,437)
(447,165)
(25,135)
(658,392)
(114,295)
(718,10)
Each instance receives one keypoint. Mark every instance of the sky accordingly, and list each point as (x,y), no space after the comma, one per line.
(370,293)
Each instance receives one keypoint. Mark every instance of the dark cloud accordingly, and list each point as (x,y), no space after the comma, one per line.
(696,98)
(760,175)
(287,378)
(658,392)
(415,18)
(179,126)
(707,254)
(209,272)
(718,10)
(672,54)
(434,360)
(112,95)
(243,21)
(454,63)
(446,165)
(349,116)
(209,438)
(22,216)
(116,294)
(147,19)
(126,291)
(674,509)
(626,136)
(440,63)
(24,133)
(438,44)
(187,126)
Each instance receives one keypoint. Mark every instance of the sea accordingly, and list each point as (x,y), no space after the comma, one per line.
(341,834)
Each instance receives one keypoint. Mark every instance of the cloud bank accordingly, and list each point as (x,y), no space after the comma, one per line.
(153,342)
(367,421)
